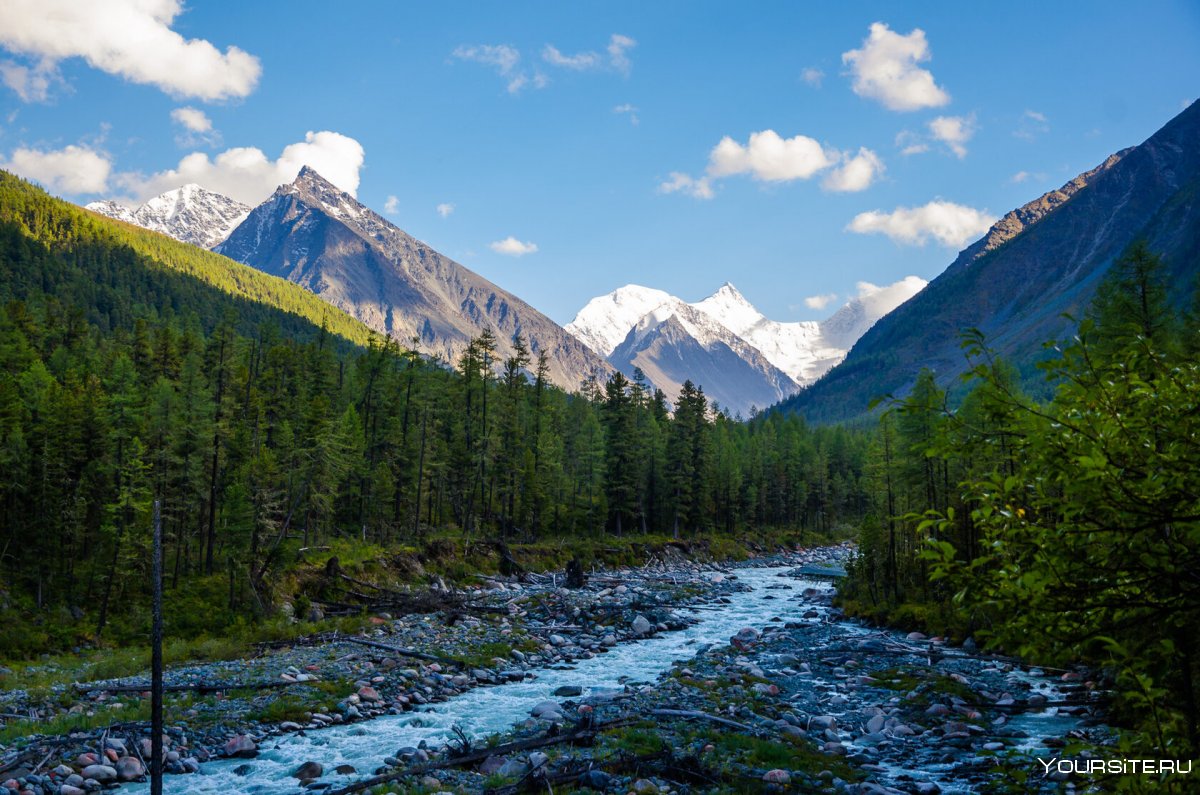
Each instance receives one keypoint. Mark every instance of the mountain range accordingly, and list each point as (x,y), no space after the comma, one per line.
(1029,279)
(742,359)
(190,213)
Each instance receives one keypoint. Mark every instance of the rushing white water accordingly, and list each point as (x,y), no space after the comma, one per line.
(487,710)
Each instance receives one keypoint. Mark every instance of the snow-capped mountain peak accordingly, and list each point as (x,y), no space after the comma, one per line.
(189,213)
(731,309)
(605,321)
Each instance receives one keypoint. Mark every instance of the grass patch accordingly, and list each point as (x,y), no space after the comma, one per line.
(927,687)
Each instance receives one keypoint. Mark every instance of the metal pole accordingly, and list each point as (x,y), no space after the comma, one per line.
(156,666)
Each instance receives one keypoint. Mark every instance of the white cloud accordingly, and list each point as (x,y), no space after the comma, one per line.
(910,143)
(855,173)
(878,301)
(820,301)
(951,225)
(618,58)
(886,70)
(511,247)
(192,119)
(1019,177)
(132,39)
(445,209)
(245,173)
(954,132)
(71,170)
(31,83)
(631,111)
(768,157)
(813,76)
(392,205)
(678,182)
(1035,116)
(579,62)
(198,128)
(506,60)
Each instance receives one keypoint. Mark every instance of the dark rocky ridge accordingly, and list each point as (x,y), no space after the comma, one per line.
(321,238)
(1037,264)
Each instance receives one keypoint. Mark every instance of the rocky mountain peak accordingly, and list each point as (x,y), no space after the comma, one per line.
(189,213)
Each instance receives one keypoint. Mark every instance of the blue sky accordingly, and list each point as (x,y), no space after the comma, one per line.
(431,107)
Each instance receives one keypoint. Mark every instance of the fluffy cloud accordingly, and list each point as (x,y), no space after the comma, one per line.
(192,119)
(878,301)
(31,83)
(1019,177)
(132,39)
(768,157)
(954,132)
(813,76)
(245,173)
(820,301)
(197,127)
(445,209)
(511,247)
(678,182)
(951,225)
(71,170)
(886,70)
(855,173)
(618,47)
(505,60)
(392,205)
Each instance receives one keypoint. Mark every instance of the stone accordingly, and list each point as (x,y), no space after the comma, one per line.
(308,771)
(345,770)
(745,639)
(537,759)
(595,779)
(368,693)
(644,786)
(102,773)
(241,747)
(641,626)
(492,765)
(937,710)
(431,784)
(513,768)
(547,710)
(875,724)
(566,691)
(822,722)
(777,776)
(608,641)
(557,640)
(130,768)
(67,789)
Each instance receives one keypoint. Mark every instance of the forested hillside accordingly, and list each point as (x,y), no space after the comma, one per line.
(134,368)
(1066,530)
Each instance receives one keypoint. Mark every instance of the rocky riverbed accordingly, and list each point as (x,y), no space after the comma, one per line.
(791,697)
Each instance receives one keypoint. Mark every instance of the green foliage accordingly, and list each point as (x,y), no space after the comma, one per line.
(1073,528)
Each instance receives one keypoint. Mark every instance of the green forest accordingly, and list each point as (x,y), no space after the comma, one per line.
(1065,530)
(131,371)
(135,369)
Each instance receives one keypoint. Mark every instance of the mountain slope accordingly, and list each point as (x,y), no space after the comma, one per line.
(1036,264)
(118,273)
(677,342)
(190,214)
(774,358)
(319,237)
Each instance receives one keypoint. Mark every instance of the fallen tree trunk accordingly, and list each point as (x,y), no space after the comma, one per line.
(403,652)
(697,715)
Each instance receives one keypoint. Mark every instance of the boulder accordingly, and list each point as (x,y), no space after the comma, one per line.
(130,768)
(777,776)
(241,747)
(308,771)
(642,626)
(102,773)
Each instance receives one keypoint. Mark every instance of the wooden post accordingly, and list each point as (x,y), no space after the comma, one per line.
(156,664)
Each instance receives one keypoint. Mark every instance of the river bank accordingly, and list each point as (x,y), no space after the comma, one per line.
(818,701)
